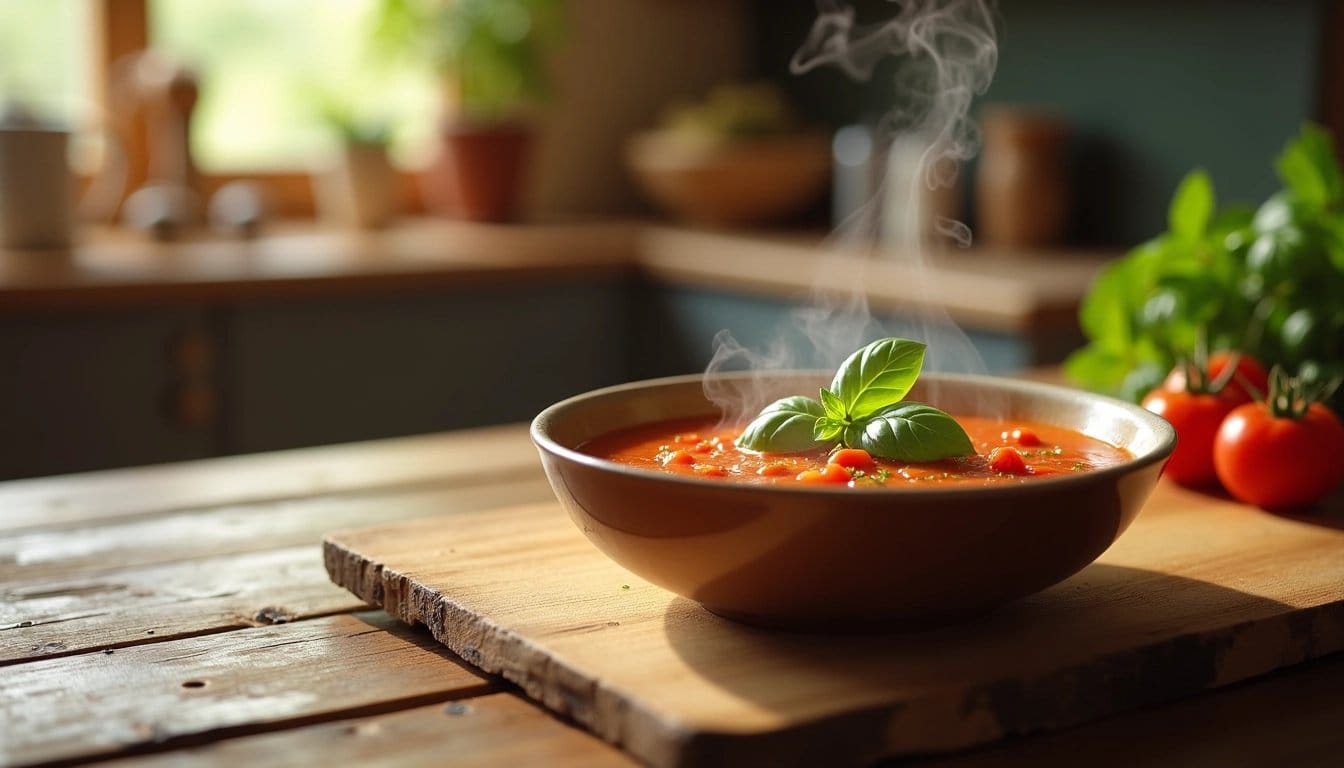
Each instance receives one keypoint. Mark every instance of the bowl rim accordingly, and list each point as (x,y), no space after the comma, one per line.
(1166,442)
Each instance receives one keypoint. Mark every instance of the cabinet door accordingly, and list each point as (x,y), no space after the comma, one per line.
(108,389)
(337,370)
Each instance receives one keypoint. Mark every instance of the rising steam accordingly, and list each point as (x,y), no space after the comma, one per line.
(945,54)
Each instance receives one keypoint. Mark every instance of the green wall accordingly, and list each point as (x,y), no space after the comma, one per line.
(1154,88)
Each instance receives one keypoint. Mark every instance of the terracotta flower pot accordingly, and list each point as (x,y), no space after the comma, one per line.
(480,170)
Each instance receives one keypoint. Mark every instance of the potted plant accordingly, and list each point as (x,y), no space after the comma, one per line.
(360,188)
(489,55)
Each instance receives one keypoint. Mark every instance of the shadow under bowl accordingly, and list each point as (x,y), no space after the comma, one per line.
(843,559)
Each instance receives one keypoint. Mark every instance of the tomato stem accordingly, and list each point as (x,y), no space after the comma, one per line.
(1289,397)
(1196,368)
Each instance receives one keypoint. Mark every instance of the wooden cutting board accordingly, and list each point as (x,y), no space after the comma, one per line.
(1200,592)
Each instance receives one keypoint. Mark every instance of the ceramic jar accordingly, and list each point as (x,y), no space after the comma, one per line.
(360,190)
(36,189)
(1022,188)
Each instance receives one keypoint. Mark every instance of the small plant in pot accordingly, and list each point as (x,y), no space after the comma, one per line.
(489,55)
(360,188)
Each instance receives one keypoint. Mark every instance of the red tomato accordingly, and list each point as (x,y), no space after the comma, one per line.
(1196,419)
(1280,462)
(678,457)
(831,474)
(777,469)
(854,458)
(1008,461)
(1250,382)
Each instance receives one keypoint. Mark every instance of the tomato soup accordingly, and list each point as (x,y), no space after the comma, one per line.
(1006,452)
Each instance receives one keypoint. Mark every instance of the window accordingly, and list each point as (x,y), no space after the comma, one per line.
(267,68)
(45,59)
(271,71)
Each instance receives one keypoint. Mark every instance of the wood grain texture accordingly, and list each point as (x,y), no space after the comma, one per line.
(463,458)
(159,696)
(1200,593)
(133,606)
(494,730)
(1291,718)
(63,552)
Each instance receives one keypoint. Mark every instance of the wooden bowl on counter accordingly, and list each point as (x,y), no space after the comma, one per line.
(850,559)
(744,183)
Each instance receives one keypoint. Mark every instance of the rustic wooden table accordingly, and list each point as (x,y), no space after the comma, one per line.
(181,613)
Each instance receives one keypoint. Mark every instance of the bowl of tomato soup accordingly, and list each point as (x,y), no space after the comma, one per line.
(829,539)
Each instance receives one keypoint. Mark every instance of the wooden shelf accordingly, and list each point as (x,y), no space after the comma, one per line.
(112,267)
(983,289)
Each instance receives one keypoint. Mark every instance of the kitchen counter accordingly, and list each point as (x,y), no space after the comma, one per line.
(114,268)
(978,288)
(181,615)
(118,269)
(309,336)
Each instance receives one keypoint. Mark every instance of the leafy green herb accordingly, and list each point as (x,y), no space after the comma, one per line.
(827,429)
(1266,282)
(832,404)
(910,432)
(863,409)
(1192,207)
(874,377)
(784,425)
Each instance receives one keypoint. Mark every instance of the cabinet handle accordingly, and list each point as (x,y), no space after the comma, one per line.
(193,405)
(191,400)
(192,354)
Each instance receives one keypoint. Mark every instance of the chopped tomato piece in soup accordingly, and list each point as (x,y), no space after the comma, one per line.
(853,458)
(1006,452)
(1006,460)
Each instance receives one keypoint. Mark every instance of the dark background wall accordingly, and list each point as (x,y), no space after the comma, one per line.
(1153,88)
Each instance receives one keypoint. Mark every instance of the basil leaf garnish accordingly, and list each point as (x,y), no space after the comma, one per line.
(910,432)
(784,425)
(835,408)
(828,430)
(863,409)
(877,375)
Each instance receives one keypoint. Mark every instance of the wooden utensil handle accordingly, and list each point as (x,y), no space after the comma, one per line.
(169,92)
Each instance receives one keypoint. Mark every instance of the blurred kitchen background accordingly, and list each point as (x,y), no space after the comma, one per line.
(251,225)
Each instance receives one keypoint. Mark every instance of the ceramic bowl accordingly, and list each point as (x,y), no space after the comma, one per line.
(842,559)
(730,184)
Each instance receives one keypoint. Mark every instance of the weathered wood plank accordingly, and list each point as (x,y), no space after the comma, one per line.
(155,697)
(499,729)
(1289,718)
(67,551)
(132,606)
(466,457)
(1200,593)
